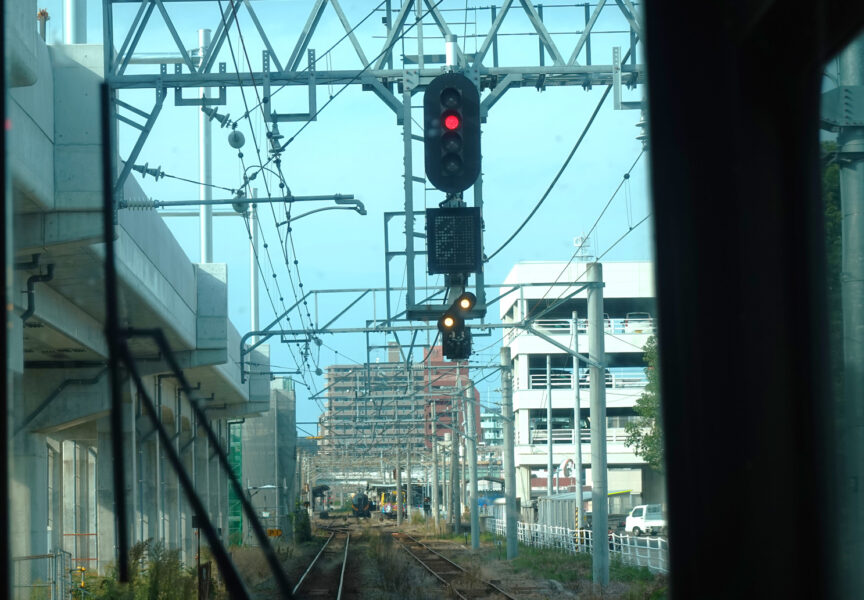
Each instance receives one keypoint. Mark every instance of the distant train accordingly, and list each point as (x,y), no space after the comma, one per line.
(361,506)
(389,504)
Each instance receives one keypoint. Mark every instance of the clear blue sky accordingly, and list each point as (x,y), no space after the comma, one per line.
(355,147)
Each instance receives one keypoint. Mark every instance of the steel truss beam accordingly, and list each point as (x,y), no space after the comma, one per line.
(383,327)
(376,73)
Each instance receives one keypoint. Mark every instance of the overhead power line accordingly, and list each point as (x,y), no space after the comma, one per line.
(560,171)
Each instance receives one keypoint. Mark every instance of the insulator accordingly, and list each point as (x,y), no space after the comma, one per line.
(140,204)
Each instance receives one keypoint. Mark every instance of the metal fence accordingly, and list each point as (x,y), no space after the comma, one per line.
(650,552)
(42,576)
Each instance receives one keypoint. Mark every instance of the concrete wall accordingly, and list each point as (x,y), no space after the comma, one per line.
(269,451)
(61,481)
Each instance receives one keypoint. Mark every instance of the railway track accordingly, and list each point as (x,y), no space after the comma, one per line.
(461,582)
(325,575)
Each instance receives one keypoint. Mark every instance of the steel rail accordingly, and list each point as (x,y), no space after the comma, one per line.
(444,558)
(344,564)
(428,568)
(312,564)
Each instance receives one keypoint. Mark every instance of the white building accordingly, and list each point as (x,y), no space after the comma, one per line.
(493,430)
(628,289)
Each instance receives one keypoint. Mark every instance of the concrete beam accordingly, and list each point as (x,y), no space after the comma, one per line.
(43,231)
(247,409)
(22,43)
(73,406)
(55,311)
(211,320)
(259,376)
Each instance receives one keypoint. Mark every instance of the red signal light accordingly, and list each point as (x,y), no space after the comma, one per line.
(451,122)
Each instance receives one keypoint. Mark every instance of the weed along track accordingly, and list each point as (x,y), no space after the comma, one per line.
(461,582)
(325,575)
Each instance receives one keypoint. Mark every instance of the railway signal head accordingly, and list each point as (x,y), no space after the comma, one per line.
(451,108)
(466,301)
(455,336)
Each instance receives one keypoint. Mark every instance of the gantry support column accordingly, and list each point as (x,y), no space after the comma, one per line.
(600,493)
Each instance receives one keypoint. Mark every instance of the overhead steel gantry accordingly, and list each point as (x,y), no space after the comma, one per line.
(569,290)
(394,84)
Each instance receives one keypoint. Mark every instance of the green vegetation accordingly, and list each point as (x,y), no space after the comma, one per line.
(394,575)
(302,526)
(155,573)
(548,564)
(645,436)
(235,459)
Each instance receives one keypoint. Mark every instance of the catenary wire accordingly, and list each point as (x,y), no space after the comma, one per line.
(560,171)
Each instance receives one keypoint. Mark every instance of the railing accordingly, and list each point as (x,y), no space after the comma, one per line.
(613,326)
(614,435)
(554,325)
(539,436)
(650,552)
(41,576)
(558,381)
(632,378)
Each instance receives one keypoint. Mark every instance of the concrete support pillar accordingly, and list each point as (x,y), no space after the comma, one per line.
(148,514)
(199,447)
(399,505)
(75,21)
(55,495)
(523,485)
(28,464)
(600,494)
(222,481)
(28,501)
(455,480)
(470,422)
(187,453)
(106,538)
(172,489)
(68,449)
(91,517)
(434,495)
(508,457)
(408,483)
(205,160)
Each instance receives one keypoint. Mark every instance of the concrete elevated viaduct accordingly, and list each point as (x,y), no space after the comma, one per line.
(61,488)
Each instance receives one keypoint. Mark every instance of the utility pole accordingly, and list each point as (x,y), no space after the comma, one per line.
(600,493)
(507,457)
(549,464)
(434,466)
(577,427)
(850,417)
(253,264)
(310,498)
(205,158)
(74,21)
(445,469)
(471,423)
(398,483)
(455,478)
(408,473)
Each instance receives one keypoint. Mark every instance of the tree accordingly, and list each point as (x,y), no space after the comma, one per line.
(645,435)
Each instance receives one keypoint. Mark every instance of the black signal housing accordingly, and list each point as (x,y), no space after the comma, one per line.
(451,109)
